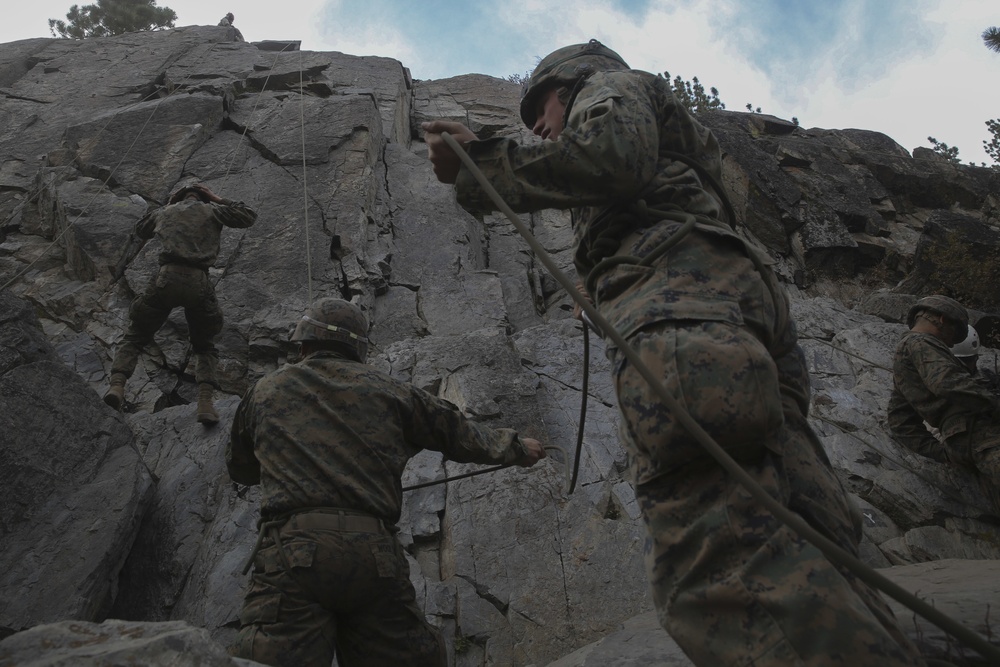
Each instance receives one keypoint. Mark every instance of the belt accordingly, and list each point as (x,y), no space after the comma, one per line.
(312,518)
(335,519)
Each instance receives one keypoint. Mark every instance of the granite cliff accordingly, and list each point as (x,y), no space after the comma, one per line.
(132,516)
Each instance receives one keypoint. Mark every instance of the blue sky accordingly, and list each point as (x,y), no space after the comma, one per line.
(908,68)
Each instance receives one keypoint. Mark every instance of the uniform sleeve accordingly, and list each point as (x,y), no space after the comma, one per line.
(242,463)
(944,376)
(606,152)
(909,430)
(235,214)
(438,425)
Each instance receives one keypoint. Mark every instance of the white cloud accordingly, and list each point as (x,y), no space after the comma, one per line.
(917,69)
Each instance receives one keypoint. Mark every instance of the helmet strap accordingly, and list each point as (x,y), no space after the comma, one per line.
(572,98)
(336,329)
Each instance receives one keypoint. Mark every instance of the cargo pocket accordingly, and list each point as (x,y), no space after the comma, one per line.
(957,434)
(299,553)
(719,373)
(261,609)
(386,558)
(730,384)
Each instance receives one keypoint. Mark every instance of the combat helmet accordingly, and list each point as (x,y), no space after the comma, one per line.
(968,347)
(942,305)
(338,321)
(565,67)
(182,194)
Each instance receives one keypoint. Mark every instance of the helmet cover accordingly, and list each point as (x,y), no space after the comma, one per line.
(335,320)
(564,67)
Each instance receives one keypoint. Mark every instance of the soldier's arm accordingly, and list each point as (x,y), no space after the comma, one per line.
(235,214)
(607,152)
(945,376)
(228,212)
(241,462)
(438,425)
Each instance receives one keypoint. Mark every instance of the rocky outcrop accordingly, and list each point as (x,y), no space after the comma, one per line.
(326,147)
(81,644)
(73,489)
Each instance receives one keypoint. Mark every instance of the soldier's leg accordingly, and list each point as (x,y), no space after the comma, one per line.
(379,621)
(732,585)
(348,591)
(987,462)
(282,622)
(204,318)
(817,495)
(146,315)
(730,582)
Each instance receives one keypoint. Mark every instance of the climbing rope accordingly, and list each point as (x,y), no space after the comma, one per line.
(253,112)
(944,491)
(584,389)
(305,189)
(482,471)
(831,550)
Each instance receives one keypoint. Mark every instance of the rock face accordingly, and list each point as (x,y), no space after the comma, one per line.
(134,514)
(81,644)
(74,488)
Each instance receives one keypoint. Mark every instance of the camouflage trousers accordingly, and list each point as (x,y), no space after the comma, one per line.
(174,286)
(980,445)
(347,593)
(732,585)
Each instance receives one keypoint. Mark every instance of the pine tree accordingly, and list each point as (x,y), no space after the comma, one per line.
(112,17)
(992,147)
(692,94)
(950,153)
(991,38)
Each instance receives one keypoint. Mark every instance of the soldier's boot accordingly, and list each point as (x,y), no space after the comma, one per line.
(115,395)
(206,411)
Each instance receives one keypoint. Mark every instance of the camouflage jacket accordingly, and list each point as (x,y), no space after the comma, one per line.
(627,138)
(332,432)
(189,231)
(938,388)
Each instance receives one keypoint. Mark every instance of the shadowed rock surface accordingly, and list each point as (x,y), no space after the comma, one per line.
(133,517)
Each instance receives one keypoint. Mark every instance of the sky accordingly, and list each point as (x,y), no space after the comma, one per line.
(907,68)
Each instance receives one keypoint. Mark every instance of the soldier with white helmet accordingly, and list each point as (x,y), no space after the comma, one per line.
(327,439)
(967,350)
(931,384)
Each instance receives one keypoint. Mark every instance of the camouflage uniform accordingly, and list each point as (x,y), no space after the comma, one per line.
(935,385)
(732,585)
(910,430)
(189,232)
(327,438)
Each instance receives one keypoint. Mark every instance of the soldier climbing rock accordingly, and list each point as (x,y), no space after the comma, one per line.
(931,384)
(189,229)
(327,439)
(704,311)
